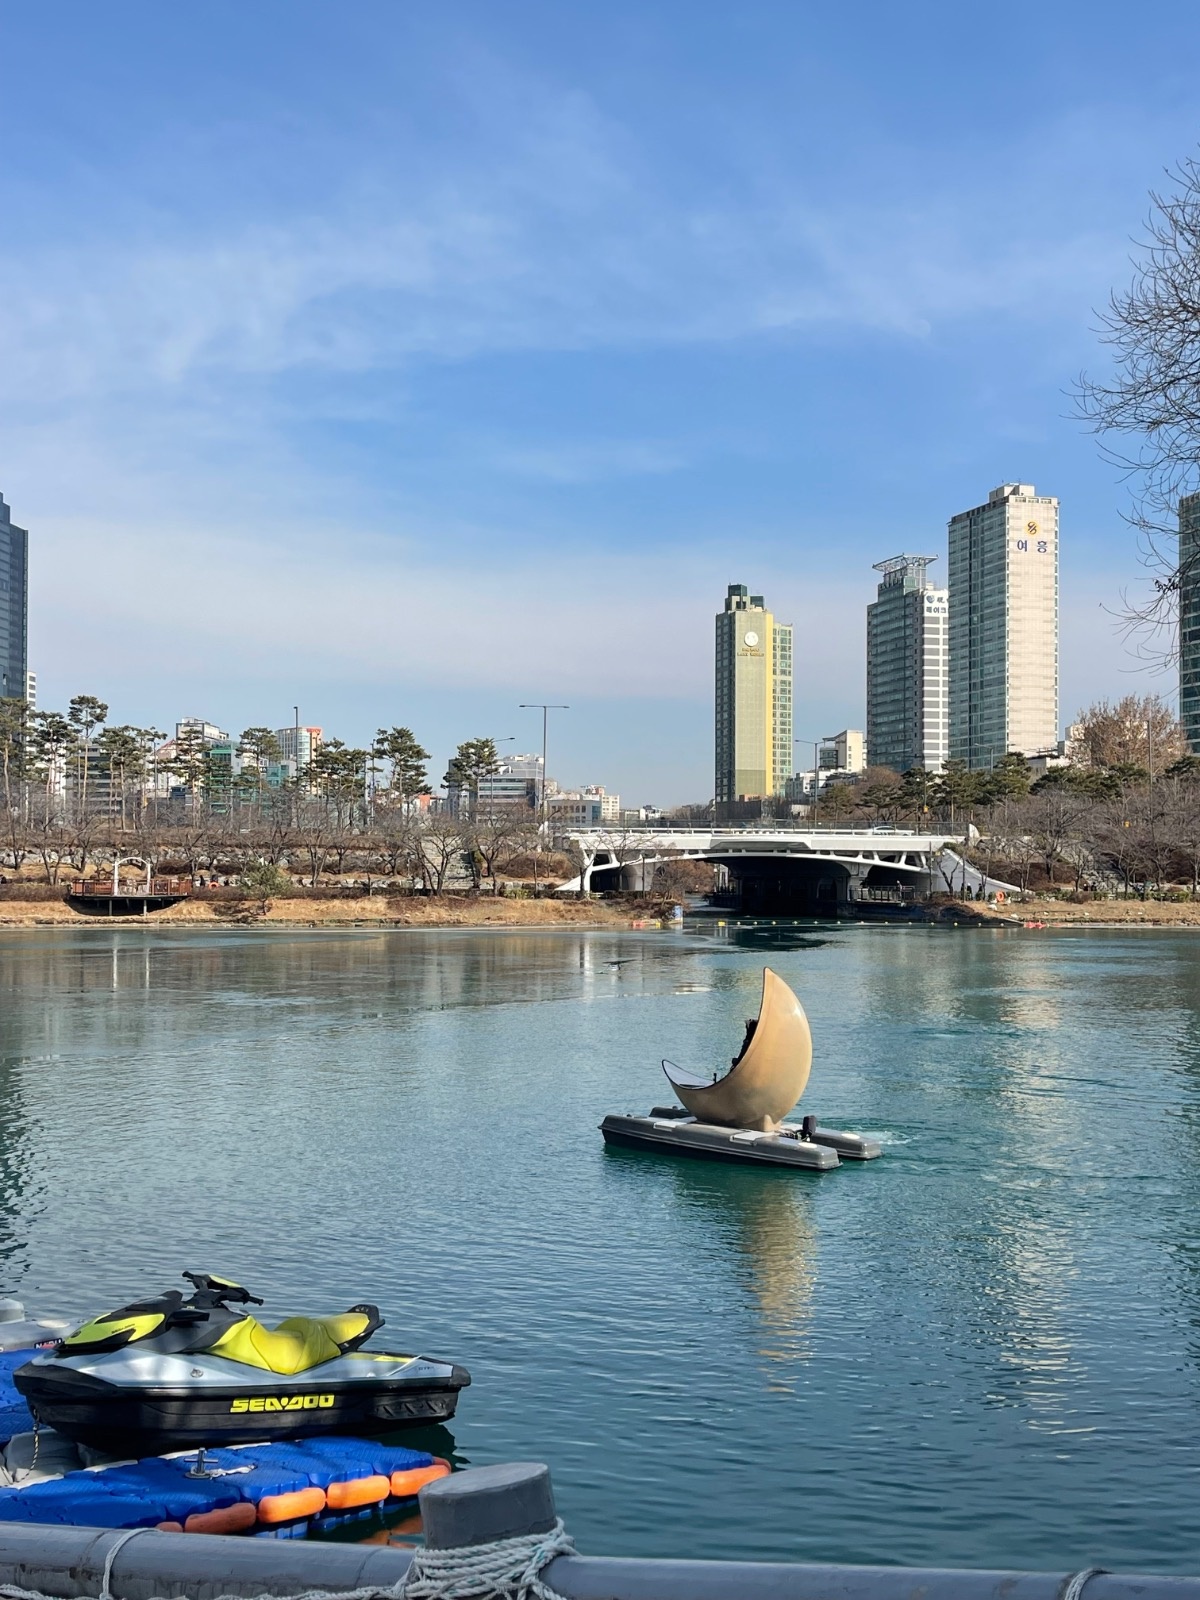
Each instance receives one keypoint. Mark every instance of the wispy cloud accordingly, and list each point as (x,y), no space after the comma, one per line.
(562,237)
(173,381)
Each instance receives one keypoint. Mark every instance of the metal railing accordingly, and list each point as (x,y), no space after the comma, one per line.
(102,888)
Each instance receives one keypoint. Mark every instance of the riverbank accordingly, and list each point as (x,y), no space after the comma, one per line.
(371,911)
(1093,913)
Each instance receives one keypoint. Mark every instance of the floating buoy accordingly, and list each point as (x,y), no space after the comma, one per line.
(358,1492)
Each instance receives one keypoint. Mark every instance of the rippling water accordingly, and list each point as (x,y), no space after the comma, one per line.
(982,1349)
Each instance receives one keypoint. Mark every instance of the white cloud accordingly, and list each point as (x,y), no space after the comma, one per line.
(153,375)
(559,237)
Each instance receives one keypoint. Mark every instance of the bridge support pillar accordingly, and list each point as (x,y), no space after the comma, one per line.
(585,875)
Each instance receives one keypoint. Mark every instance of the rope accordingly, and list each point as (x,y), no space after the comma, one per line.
(117,1545)
(506,1569)
(1072,1589)
(12,1591)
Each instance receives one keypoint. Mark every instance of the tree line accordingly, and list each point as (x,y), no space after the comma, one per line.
(77,789)
(78,763)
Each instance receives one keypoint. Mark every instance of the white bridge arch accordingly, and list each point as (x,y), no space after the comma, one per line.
(821,868)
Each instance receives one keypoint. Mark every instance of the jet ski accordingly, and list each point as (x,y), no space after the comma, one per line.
(169,1374)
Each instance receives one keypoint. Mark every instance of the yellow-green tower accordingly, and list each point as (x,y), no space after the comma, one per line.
(753,699)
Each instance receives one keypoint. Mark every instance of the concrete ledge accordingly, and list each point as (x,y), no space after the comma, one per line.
(69,1562)
(600,1578)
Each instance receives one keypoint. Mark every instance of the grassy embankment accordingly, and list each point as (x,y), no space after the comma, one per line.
(1066,913)
(370,911)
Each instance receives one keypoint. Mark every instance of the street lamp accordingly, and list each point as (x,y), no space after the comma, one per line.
(826,738)
(508,738)
(545,709)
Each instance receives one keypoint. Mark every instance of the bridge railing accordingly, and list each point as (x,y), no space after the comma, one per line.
(95,888)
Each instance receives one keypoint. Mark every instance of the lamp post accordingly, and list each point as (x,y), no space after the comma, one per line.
(508,738)
(826,738)
(545,709)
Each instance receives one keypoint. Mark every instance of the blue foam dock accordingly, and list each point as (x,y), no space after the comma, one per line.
(142,1494)
(14,1413)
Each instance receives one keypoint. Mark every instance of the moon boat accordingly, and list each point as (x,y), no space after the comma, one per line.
(740,1116)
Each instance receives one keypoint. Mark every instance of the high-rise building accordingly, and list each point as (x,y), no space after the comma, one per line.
(753,700)
(1004,626)
(14,607)
(907,670)
(1189,619)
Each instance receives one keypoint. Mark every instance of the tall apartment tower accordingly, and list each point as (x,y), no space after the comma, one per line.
(908,687)
(1189,619)
(754,699)
(1004,626)
(14,607)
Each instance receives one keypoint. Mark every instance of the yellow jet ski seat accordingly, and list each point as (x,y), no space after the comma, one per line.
(297,1343)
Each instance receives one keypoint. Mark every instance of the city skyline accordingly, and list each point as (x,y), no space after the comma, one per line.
(564,319)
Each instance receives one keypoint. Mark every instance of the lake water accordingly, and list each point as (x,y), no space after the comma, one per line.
(982,1349)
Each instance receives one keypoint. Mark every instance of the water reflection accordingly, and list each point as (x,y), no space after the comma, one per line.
(765,936)
(752,1229)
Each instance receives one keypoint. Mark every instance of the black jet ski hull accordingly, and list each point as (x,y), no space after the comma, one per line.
(152,1420)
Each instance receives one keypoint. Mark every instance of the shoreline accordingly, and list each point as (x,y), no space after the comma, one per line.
(1179,915)
(453,911)
(375,912)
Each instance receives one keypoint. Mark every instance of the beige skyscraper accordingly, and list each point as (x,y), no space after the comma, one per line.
(1003,573)
(753,699)
(907,706)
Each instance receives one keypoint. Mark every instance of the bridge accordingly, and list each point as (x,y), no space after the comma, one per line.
(822,871)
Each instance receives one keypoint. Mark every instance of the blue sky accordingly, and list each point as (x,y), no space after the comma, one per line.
(409,362)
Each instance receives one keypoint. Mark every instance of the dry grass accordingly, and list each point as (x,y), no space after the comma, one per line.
(1097,913)
(374,911)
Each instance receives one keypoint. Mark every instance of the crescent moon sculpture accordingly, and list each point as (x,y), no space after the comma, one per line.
(769,1075)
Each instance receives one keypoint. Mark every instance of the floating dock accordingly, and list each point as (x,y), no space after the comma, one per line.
(675,1133)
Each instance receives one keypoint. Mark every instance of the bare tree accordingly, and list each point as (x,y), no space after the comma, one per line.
(439,845)
(1135,731)
(50,839)
(1148,411)
(315,836)
(1051,820)
(499,836)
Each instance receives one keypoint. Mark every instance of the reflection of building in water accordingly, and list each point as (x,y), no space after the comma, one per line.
(972,1045)
(759,1228)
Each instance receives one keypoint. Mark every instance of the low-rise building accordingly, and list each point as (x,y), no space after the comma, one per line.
(589,807)
(517,781)
(846,752)
(298,744)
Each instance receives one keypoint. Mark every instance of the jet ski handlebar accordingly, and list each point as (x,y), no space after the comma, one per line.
(212,1291)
